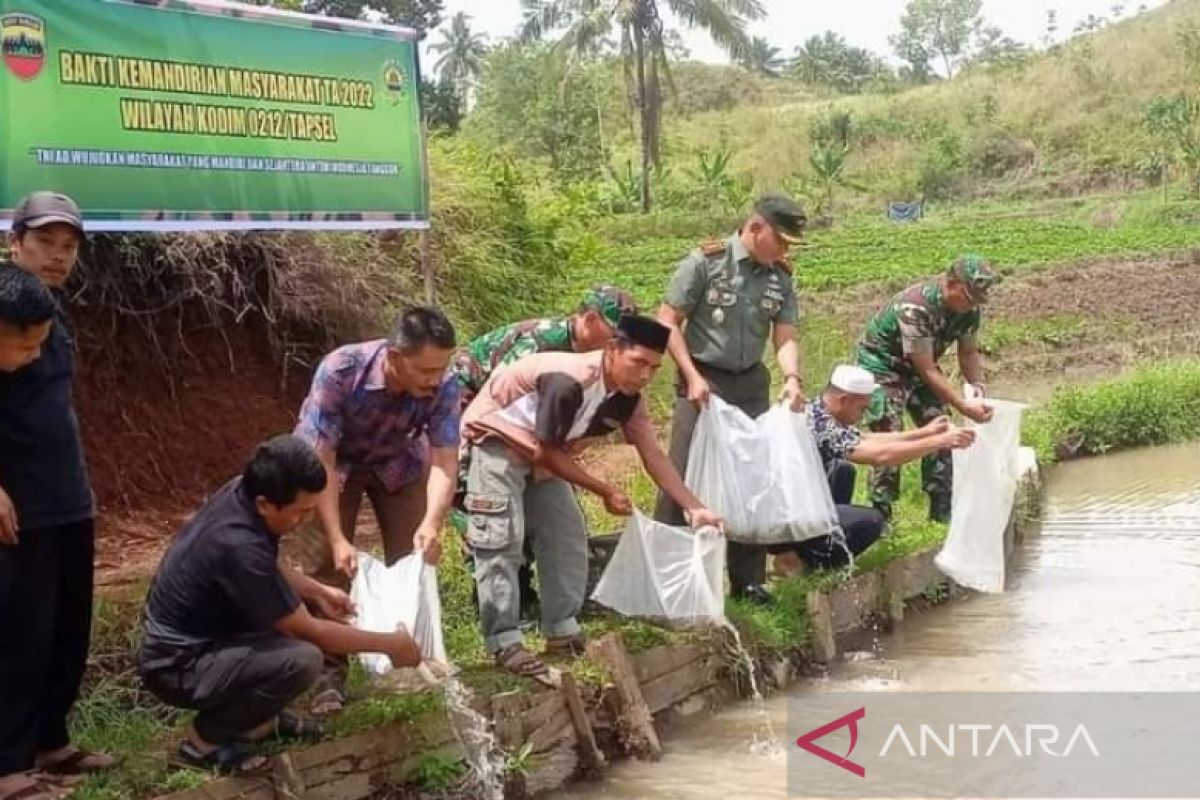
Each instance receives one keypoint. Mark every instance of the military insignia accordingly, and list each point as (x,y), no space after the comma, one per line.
(23,44)
(393,81)
(719,316)
(713,247)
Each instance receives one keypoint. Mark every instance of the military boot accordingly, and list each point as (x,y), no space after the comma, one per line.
(939,507)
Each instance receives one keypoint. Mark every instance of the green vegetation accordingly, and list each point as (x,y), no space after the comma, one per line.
(1156,404)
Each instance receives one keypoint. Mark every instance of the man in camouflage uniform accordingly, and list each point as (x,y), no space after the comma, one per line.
(901,347)
(589,328)
(724,302)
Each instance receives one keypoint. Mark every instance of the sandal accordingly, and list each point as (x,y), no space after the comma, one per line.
(228,759)
(294,726)
(566,646)
(78,762)
(519,661)
(328,702)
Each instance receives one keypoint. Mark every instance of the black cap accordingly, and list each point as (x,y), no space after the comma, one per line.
(39,209)
(644,331)
(784,214)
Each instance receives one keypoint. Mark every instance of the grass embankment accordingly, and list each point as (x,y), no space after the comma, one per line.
(1156,404)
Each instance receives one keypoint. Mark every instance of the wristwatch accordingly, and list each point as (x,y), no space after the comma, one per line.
(791,375)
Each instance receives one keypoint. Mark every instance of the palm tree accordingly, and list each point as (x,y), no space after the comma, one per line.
(639,25)
(462,52)
(762,58)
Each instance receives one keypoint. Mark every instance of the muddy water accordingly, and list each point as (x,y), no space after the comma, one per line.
(1106,597)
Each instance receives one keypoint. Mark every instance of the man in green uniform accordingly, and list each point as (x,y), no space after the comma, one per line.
(901,347)
(590,328)
(724,302)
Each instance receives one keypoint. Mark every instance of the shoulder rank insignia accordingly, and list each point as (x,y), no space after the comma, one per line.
(713,247)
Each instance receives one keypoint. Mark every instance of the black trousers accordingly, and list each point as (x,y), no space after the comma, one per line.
(45,629)
(235,685)
(749,391)
(862,526)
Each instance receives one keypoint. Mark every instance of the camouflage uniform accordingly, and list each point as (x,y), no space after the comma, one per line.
(475,362)
(916,320)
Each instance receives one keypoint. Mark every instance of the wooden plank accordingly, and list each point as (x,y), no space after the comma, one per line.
(226,789)
(636,720)
(507,711)
(666,691)
(355,786)
(551,731)
(552,770)
(589,753)
(289,785)
(658,661)
(552,704)
(851,605)
(821,622)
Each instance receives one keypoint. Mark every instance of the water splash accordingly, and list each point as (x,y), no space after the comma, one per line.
(764,742)
(474,733)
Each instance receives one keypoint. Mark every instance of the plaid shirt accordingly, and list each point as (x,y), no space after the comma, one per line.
(350,411)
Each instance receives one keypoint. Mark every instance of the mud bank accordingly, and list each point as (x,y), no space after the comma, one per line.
(574,732)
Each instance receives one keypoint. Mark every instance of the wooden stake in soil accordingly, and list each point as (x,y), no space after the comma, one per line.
(635,720)
(589,752)
(289,783)
(821,619)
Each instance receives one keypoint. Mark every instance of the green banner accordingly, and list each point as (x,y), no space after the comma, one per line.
(169,115)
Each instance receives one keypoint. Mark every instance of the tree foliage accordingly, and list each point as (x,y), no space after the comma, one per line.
(828,60)
(937,30)
(533,102)
(583,26)
(421,15)
(461,52)
(763,58)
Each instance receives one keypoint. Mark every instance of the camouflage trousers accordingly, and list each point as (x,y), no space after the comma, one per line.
(894,395)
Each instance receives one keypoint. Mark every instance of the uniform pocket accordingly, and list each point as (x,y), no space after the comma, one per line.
(489,526)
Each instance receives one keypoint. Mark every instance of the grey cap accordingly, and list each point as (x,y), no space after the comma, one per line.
(39,209)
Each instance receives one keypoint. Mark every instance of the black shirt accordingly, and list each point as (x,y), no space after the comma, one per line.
(41,453)
(220,577)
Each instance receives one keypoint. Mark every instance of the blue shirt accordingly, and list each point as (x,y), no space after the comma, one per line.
(41,454)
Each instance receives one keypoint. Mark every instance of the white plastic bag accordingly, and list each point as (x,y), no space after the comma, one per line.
(764,476)
(985,485)
(665,574)
(405,593)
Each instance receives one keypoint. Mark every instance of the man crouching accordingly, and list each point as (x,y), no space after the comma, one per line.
(226,632)
(525,428)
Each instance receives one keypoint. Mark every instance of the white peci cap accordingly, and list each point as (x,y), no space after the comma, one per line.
(854,380)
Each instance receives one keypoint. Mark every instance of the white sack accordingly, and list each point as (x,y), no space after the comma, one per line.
(666,574)
(764,476)
(985,485)
(405,593)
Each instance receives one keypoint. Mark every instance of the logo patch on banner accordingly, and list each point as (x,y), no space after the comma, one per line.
(23,43)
